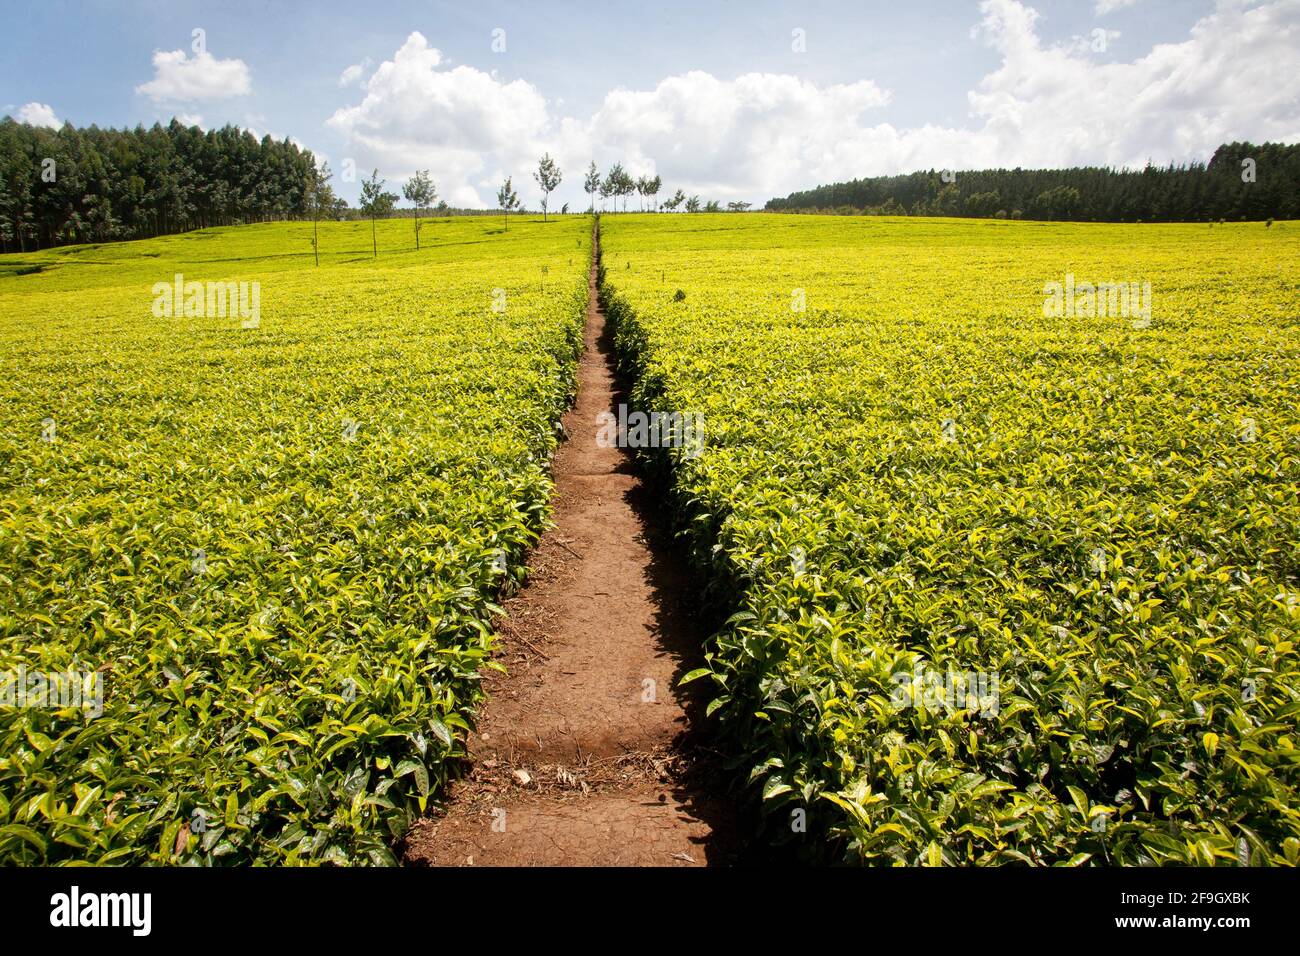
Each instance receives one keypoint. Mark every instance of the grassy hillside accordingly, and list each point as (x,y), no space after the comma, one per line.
(1010,583)
(277,542)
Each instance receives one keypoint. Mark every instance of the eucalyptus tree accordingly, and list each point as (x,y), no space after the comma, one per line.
(420,193)
(320,197)
(592,183)
(626,186)
(613,184)
(507,200)
(652,188)
(375,202)
(548,177)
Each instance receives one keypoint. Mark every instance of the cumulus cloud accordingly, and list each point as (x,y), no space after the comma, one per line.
(757,131)
(1054,105)
(179,77)
(354,72)
(1103,7)
(766,134)
(39,114)
(457,120)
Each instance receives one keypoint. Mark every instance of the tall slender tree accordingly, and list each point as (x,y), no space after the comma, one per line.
(375,202)
(548,177)
(420,193)
(626,186)
(652,189)
(613,184)
(507,200)
(592,183)
(321,198)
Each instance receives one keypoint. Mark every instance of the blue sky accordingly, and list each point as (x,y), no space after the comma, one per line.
(715,97)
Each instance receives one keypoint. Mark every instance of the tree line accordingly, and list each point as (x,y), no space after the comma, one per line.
(70,185)
(1242,181)
(619,184)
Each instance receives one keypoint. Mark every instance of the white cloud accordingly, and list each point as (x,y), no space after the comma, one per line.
(354,72)
(1053,105)
(753,133)
(762,134)
(1103,7)
(191,119)
(180,78)
(415,115)
(39,114)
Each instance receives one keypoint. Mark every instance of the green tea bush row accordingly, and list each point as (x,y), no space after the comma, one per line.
(1005,587)
(278,547)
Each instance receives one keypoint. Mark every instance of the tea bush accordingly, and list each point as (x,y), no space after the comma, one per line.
(279,543)
(912,472)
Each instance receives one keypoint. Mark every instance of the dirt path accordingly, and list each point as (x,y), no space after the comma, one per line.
(583,754)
